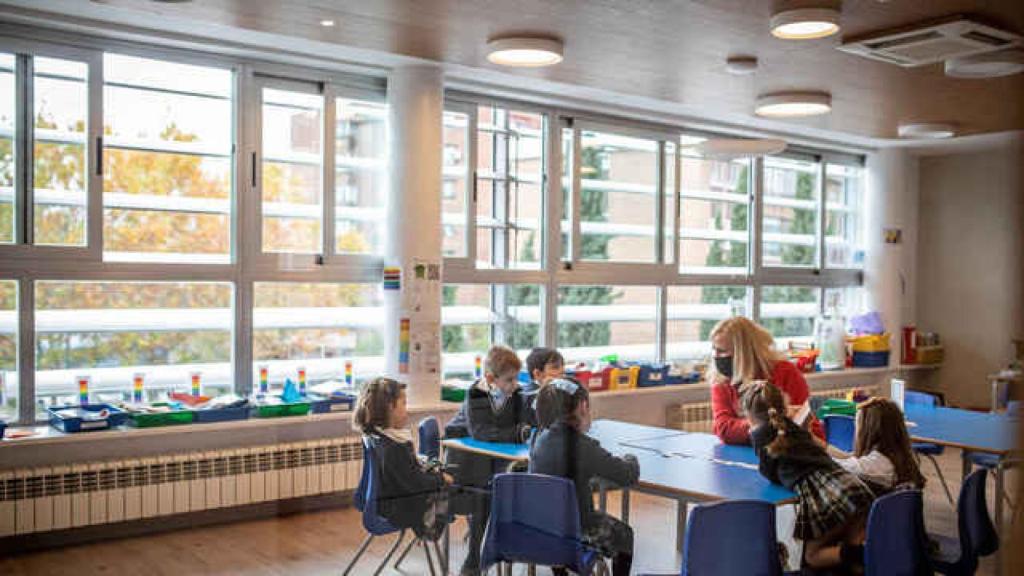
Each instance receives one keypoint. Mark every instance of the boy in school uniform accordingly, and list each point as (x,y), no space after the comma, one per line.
(495,410)
(544,365)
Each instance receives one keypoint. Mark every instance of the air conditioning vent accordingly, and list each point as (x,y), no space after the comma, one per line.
(932,42)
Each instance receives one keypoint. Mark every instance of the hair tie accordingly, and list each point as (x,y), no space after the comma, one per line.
(565,385)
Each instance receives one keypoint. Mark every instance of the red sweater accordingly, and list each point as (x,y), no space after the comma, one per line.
(732,428)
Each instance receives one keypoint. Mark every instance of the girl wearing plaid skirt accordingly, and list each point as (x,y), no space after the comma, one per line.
(833,503)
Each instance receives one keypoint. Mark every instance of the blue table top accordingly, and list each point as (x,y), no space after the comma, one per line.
(974,431)
(671,462)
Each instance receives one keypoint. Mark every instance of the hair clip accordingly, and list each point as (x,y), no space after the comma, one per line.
(565,385)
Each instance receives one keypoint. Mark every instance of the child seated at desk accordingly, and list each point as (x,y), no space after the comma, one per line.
(495,410)
(411,494)
(882,454)
(562,448)
(832,503)
(544,365)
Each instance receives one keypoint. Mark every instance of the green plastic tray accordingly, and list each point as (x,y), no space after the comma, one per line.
(836,406)
(161,418)
(453,394)
(281,410)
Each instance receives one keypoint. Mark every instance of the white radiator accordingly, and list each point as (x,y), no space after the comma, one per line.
(55,498)
(698,417)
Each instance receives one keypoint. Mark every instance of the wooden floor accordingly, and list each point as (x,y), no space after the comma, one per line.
(323,542)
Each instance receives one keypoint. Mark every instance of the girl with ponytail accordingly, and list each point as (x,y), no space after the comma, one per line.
(833,503)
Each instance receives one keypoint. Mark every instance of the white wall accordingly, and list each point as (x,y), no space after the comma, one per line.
(970,268)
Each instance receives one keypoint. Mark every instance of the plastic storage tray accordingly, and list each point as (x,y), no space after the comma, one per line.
(3,428)
(870,343)
(652,375)
(593,381)
(152,420)
(332,403)
(677,379)
(72,424)
(624,378)
(870,359)
(222,414)
(283,409)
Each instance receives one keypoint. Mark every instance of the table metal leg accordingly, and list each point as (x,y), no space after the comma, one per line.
(680,524)
(447,548)
(625,505)
(602,497)
(965,464)
(999,516)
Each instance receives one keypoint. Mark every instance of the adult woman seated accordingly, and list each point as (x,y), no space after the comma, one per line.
(745,352)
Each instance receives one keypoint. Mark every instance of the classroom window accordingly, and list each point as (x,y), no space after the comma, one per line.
(619,196)
(597,321)
(475,316)
(111,330)
(788,312)
(319,327)
(714,216)
(361,178)
(8,101)
(59,181)
(167,177)
(291,180)
(692,313)
(844,193)
(8,350)
(790,214)
(510,174)
(455,179)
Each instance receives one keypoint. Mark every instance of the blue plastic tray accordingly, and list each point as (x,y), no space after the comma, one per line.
(3,427)
(333,403)
(677,379)
(70,425)
(223,414)
(652,375)
(870,359)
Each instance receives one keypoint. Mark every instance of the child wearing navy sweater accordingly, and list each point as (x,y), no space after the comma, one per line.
(833,503)
(562,448)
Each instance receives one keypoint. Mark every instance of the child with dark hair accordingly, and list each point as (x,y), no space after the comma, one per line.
(411,494)
(543,365)
(562,448)
(882,454)
(833,503)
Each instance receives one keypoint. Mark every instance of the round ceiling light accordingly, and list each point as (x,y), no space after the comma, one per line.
(987,65)
(525,51)
(805,23)
(926,130)
(793,104)
(728,148)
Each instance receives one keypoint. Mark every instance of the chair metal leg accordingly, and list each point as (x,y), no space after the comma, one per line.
(942,479)
(426,552)
(447,547)
(359,553)
(405,552)
(442,561)
(391,552)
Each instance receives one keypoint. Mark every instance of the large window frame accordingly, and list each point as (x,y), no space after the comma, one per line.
(27,264)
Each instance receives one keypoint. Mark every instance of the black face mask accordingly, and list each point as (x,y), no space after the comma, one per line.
(723,364)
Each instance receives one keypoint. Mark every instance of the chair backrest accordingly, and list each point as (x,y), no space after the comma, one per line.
(359,497)
(716,533)
(895,544)
(920,398)
(839,431)
(1013,408)
(535,518)
(977,533)
(372,521)
(429,432)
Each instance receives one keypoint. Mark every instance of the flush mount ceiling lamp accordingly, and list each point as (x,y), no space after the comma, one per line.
(729,148)
(523,51)
(926,130)
(988,65)
(804,23)
(793,104)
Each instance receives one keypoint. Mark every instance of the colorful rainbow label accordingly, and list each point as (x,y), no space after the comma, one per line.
(83,390)
(137,381)
(348,373)
(403,346)
(196,386)
(478,367)
(264,379)
(302,380)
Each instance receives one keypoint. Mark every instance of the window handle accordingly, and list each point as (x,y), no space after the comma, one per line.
(253,168)
(99,155)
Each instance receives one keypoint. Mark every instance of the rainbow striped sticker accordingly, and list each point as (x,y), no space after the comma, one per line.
(348,373)
(403,346)
(264,379)
(196,386)
(478,367)
(137,381)
(83,390)
(302,380)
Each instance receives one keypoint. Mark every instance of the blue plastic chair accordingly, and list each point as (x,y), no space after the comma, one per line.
(895,544)
(716,532)
(993,462)
(928,449)
(375,525)
(977,537)
(839,431)
(429,432)
(535,519)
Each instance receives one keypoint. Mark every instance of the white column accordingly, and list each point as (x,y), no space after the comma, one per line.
(890,270)
(415,106)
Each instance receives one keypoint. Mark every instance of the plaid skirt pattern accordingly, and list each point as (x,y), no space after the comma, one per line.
(609,535)
(827,499)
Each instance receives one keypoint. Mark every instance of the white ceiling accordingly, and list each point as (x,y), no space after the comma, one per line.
(662,58)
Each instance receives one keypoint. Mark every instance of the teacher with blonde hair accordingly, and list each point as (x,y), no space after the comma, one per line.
(745,352)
